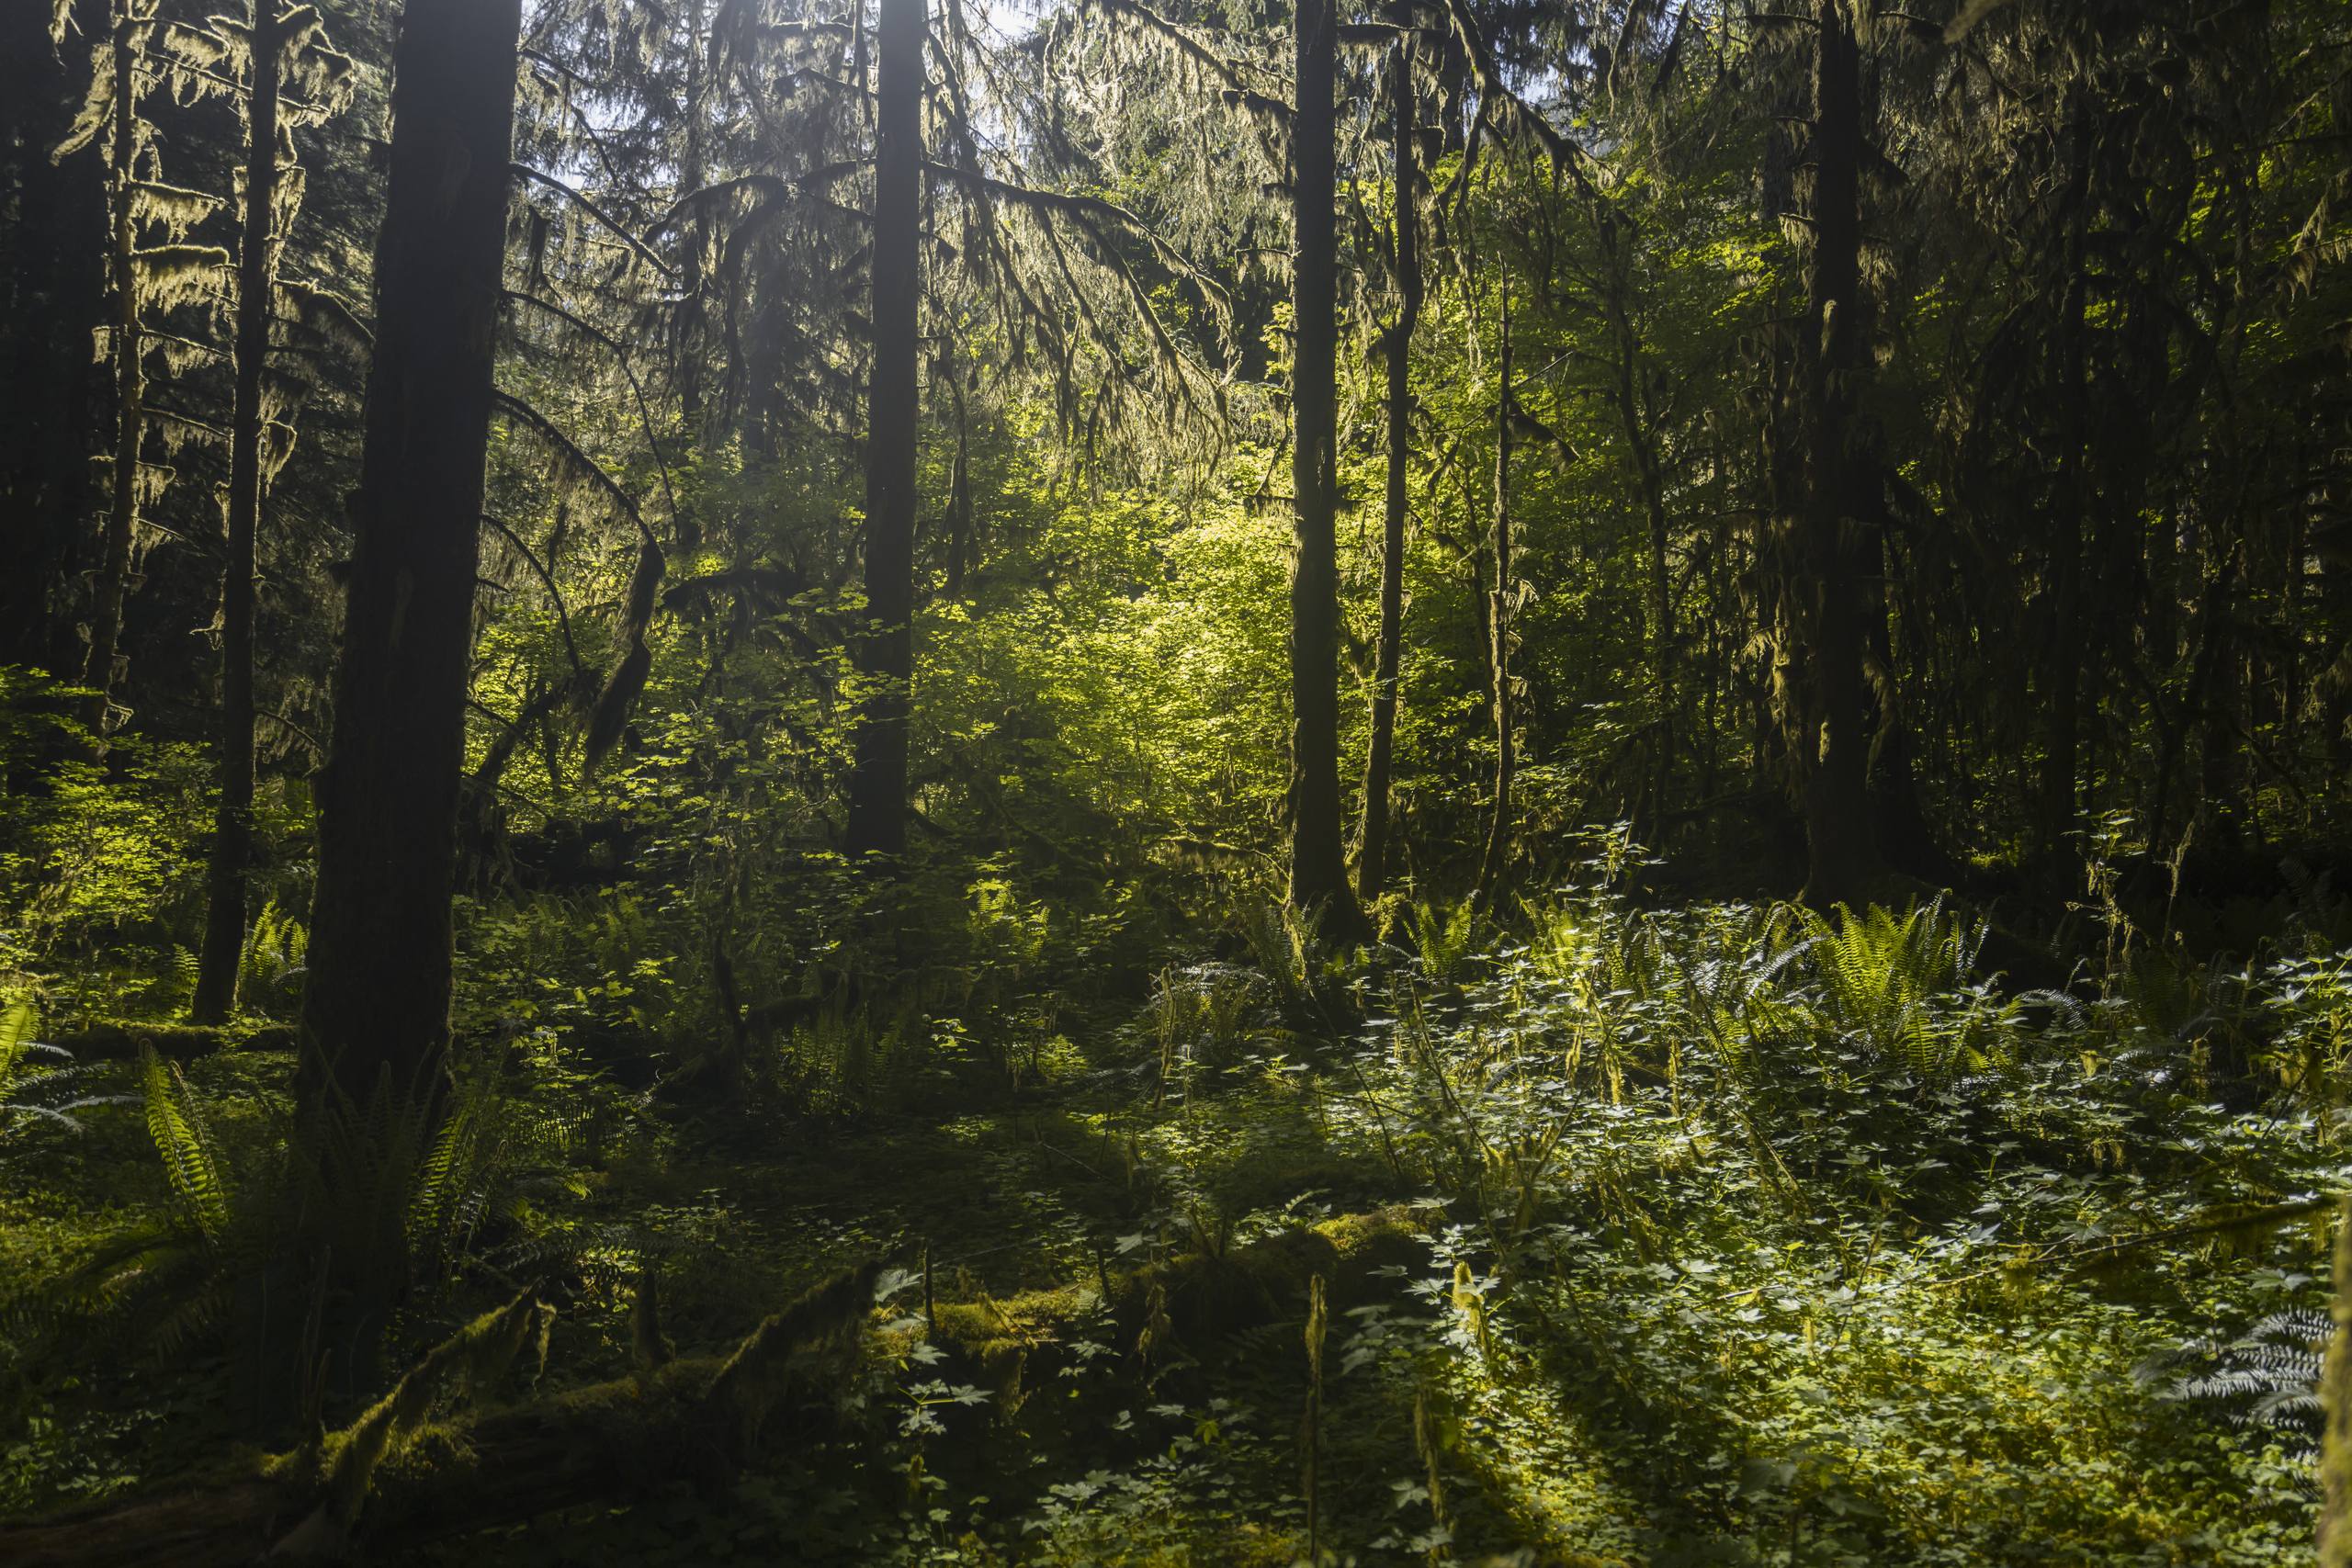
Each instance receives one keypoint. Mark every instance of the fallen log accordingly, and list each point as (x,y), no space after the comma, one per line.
(699,1419)
(119,1039)
(410,1480)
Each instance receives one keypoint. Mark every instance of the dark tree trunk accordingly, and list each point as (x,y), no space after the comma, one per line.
(1372,846)
(693,175)
(1841,855)
(2055,805)
(1317,864)
(112,583)
(233,831)
(53,240)
(1650,476)
(960,518)
(1319,873)
(2224,812)
(1905,838)
(376,1008)
(1494,863)
(877,788)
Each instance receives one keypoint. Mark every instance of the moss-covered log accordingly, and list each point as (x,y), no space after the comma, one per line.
(1202,1295)
(109,1039)
(695,1419)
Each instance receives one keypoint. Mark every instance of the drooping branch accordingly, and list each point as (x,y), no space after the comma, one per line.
(628,675)
(774,186)
(636,246)
(637,387)
(1088,211)
(555,595)
(1511,114)
(578,461)
(1257,100)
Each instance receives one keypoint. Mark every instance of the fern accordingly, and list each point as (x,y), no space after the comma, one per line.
(179,985)
(1444,935)
(401,1188)
(2266,1380)
(32,1073)
(184,1139)
(276,951)
(1880,975)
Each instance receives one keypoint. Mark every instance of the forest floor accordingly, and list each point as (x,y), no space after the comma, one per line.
(1746,1242)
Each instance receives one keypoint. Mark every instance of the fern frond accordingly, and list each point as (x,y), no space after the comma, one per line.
(183,1137)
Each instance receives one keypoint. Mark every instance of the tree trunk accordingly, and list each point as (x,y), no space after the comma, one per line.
(1841,854)
(1372,845)
(376,1008)
(961,521)
(53,269)
(877,791)
(2335,1536)
(1651,479)
(233,831)
(1492,865)
(1905,838)
(2054,808)
(113,579)
(693,175)
(1318,875)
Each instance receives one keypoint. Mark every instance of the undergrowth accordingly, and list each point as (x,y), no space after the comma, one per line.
(1748,1236)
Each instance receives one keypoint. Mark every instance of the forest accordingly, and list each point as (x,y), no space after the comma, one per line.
(1557,782)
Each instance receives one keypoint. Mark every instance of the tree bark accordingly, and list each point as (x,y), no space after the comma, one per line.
(1318,875)
(232,831)
(112,583)
(877,793)
(1651,480)
(2054,808)
(1493,865)
(2334,1533)
(1903,837)
(1372,843)
(961,520)
(53,272)
(1842,860)
(376,1008)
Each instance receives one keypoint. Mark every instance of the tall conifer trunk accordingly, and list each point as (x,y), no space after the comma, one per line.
(377,1007)
(2063,686)
(1494,863)
(53,248)
(1841,853)
(1319,872)
(232,831)
(1372,845)
(112,582)
(877,790)
(1617,304)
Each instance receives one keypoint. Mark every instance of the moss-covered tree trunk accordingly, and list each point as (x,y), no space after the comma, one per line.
(111,583)
(1319,873)
(233,828)
(1495,864)
(377,1007)
(1372,843)
(2335,1411)
(1842,860)
(877,791)
(2062,672)
(1617,302)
